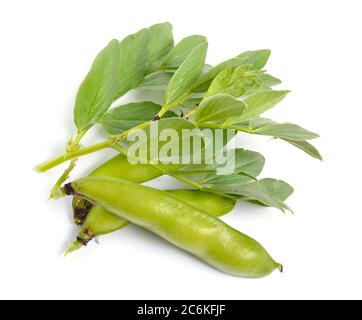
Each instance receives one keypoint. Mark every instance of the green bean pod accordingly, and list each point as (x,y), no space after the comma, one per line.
(99,221)
(185,226)
(119,166)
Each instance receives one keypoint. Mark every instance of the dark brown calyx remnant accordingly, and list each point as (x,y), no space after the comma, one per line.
(85,237)
(80,214)
(84,242)
(156,118)
(81,208)
(68,189)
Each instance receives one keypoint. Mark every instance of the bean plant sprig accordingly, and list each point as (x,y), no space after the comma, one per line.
(229,80)
(233,96)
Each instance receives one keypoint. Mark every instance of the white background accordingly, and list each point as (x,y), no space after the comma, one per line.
(46,48)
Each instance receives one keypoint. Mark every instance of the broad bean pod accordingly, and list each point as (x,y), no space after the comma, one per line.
(97,221)
(100,221)
(193,230)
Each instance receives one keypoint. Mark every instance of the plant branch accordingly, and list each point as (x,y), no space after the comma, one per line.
(73,145)
(75,154)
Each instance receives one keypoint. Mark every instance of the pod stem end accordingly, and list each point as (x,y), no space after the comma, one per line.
(68,189)
(281,268)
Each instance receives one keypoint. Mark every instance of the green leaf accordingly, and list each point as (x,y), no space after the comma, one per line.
(186,75)
(229,184)
(216,141)
(258,103)
(205,80)
(158,80)
(306,147)
(246,189)
(192,103)
(256,59)
(223,80)
(99,89)
(207,68)
(134,53)
(269,127)
(160,43)
(169,137)
(123,118)
(268,81)
(288,131)
(218,109)
(277,188)
(182,50)
(234,82)
(247,162)
(251,125)
(209,149)
(267,192)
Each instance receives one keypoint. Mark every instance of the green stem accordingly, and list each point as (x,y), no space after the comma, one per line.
(115,139)
(223,126)
(141,126)
(183,179)
(172,104)
(199,186)
(190,113)
(75,154)
(56,192)
(73,145)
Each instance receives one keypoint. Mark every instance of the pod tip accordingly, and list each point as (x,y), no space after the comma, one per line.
(281,268)
(76,245)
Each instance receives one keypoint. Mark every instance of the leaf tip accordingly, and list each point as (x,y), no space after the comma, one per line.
(267,52)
